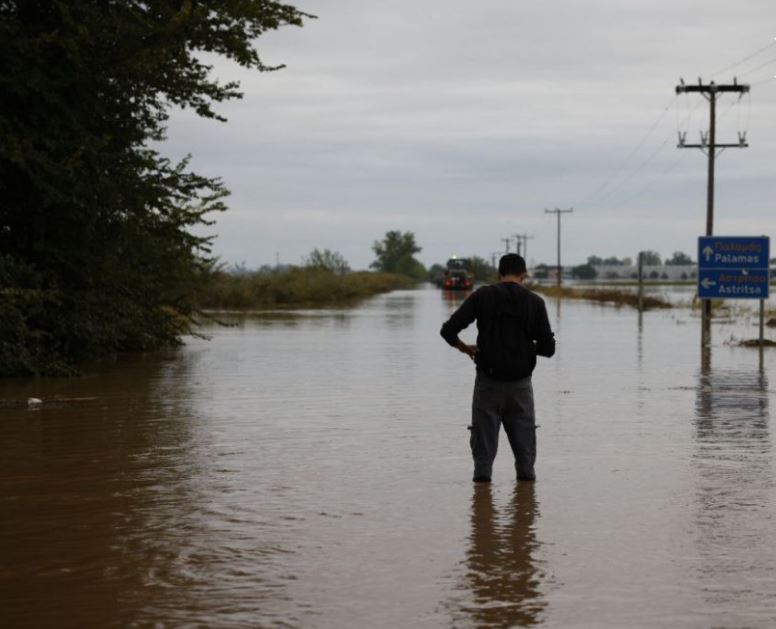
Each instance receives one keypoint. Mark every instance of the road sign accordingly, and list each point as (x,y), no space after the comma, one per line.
(733,267)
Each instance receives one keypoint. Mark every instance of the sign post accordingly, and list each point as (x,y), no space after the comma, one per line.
(735,267)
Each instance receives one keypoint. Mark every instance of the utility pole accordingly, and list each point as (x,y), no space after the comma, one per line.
(558,212)
(493,256)
(709,145)
(506,244)
(522,239)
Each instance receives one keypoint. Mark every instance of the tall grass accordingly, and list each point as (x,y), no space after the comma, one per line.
(603,295)
(296,287)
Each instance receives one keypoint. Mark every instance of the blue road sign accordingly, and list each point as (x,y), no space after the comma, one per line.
(733,267)
(732,284)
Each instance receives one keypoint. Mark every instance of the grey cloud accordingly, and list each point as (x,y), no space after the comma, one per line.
(461,121)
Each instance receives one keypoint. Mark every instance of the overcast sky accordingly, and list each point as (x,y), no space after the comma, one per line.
(462,121)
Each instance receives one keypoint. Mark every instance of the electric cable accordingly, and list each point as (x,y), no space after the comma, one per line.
(659,176)
(760,67)
(617,188)
(606,190)
(744,59)
(593,194)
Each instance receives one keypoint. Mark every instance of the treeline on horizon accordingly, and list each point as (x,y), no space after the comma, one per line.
(325,277)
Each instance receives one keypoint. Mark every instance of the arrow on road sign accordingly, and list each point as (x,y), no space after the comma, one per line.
(706,282)
(708,252)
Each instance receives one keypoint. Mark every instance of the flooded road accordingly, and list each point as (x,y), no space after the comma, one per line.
(312,469)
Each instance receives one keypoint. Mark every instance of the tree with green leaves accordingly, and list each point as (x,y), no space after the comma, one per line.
(332,261)
(436,274)
(97,248)
(610,261)
(481,268)
(651,258)
(679,259)
(583,272)
(396,254)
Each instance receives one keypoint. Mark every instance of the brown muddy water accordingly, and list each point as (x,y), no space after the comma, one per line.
(312,470)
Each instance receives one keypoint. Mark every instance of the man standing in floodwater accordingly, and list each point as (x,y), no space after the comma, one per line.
(512,329)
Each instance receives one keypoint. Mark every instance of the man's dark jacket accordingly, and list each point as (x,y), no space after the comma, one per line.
(512,329)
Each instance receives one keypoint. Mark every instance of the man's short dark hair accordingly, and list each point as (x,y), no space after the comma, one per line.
(511,264)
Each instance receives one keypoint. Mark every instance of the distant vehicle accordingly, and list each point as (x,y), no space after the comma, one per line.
(457,275)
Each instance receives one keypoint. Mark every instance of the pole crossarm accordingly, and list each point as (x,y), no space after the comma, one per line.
(738,145)
(704,143)
(712,88)
(522,243)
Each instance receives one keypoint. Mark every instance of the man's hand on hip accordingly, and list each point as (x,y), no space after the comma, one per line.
(469,350)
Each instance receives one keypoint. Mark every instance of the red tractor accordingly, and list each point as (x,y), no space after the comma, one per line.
(457,275)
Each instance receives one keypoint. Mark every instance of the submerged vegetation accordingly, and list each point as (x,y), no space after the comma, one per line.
(603,295)
(325,279)
(295,287)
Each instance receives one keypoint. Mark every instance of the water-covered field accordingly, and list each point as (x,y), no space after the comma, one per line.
(311,469)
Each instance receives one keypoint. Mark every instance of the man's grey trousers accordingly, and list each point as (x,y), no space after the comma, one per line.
(497,402)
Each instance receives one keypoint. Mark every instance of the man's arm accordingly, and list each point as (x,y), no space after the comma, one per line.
(545,339)
(459,320)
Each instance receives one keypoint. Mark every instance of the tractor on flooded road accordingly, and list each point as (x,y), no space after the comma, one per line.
(457,275)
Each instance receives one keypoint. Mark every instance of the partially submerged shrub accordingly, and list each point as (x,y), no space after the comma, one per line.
(609,296)
(295,287)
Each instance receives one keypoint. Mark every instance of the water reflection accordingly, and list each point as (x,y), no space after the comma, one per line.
(81,482)
(127,511)
(399,310)
(454,298)
(734,486)
(640,340)
(503,575)
(732,406)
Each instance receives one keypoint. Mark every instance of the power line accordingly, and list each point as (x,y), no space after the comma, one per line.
(760,67)
(641,167)
(671,167)
(613,185)
(614,191)
(597,200)
(771,80)
(744,59)
(630,155)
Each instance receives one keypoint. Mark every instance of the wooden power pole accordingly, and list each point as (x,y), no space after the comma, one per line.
(709,145)
(522,244)
(558,212)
